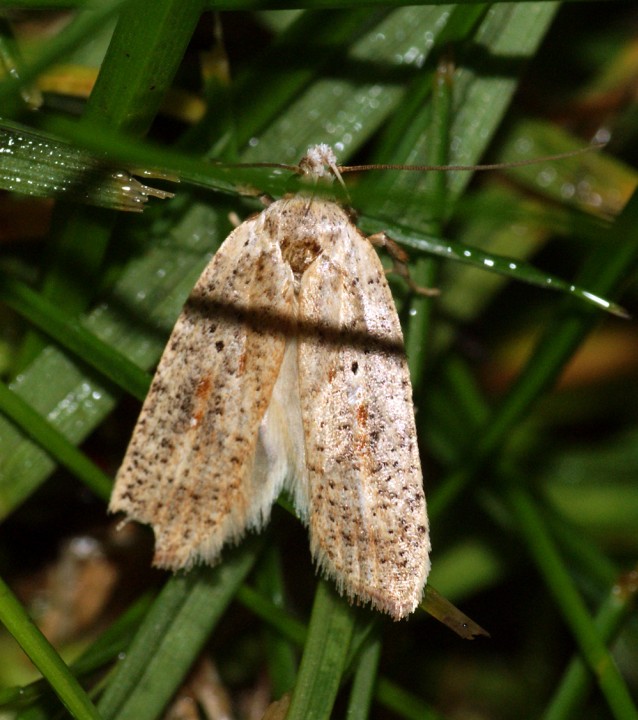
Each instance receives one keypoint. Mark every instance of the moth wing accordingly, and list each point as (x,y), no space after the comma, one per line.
(196,468)
(368,522)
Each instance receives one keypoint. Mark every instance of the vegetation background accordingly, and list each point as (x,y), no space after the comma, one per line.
(526,400)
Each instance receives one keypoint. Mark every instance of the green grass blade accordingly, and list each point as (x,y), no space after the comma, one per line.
(147,47)
(114,640)
(351,108)
(387,692)
(323,37)
(84,25)
(507,266)
(172,635)
(93,351)
(37,164)
(145,51)
(324,658)
(48,438)
(547,558)
(280,651)
(603,273)
(572,691)
(404,703)
(44,656)
(277,618)
(365,679)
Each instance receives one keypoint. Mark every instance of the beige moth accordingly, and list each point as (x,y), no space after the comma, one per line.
(286,371)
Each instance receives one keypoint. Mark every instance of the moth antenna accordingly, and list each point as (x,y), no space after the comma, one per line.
(490,166)
(319,156)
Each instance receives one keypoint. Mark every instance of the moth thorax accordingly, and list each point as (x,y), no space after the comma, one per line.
(299,250)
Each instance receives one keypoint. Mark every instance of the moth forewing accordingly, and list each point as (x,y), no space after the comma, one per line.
(189,470)
(368,523)
(287,368)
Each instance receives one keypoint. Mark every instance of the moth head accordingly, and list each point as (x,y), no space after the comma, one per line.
(320,163)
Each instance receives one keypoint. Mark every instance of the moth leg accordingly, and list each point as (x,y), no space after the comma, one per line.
(400,263)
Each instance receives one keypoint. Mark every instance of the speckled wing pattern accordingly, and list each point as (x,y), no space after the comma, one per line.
(368,522)
(189,470)
(287,369)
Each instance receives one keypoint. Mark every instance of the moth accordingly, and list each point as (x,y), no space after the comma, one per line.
(286,370)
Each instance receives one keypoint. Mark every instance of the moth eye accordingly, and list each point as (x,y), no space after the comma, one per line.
(355,367)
